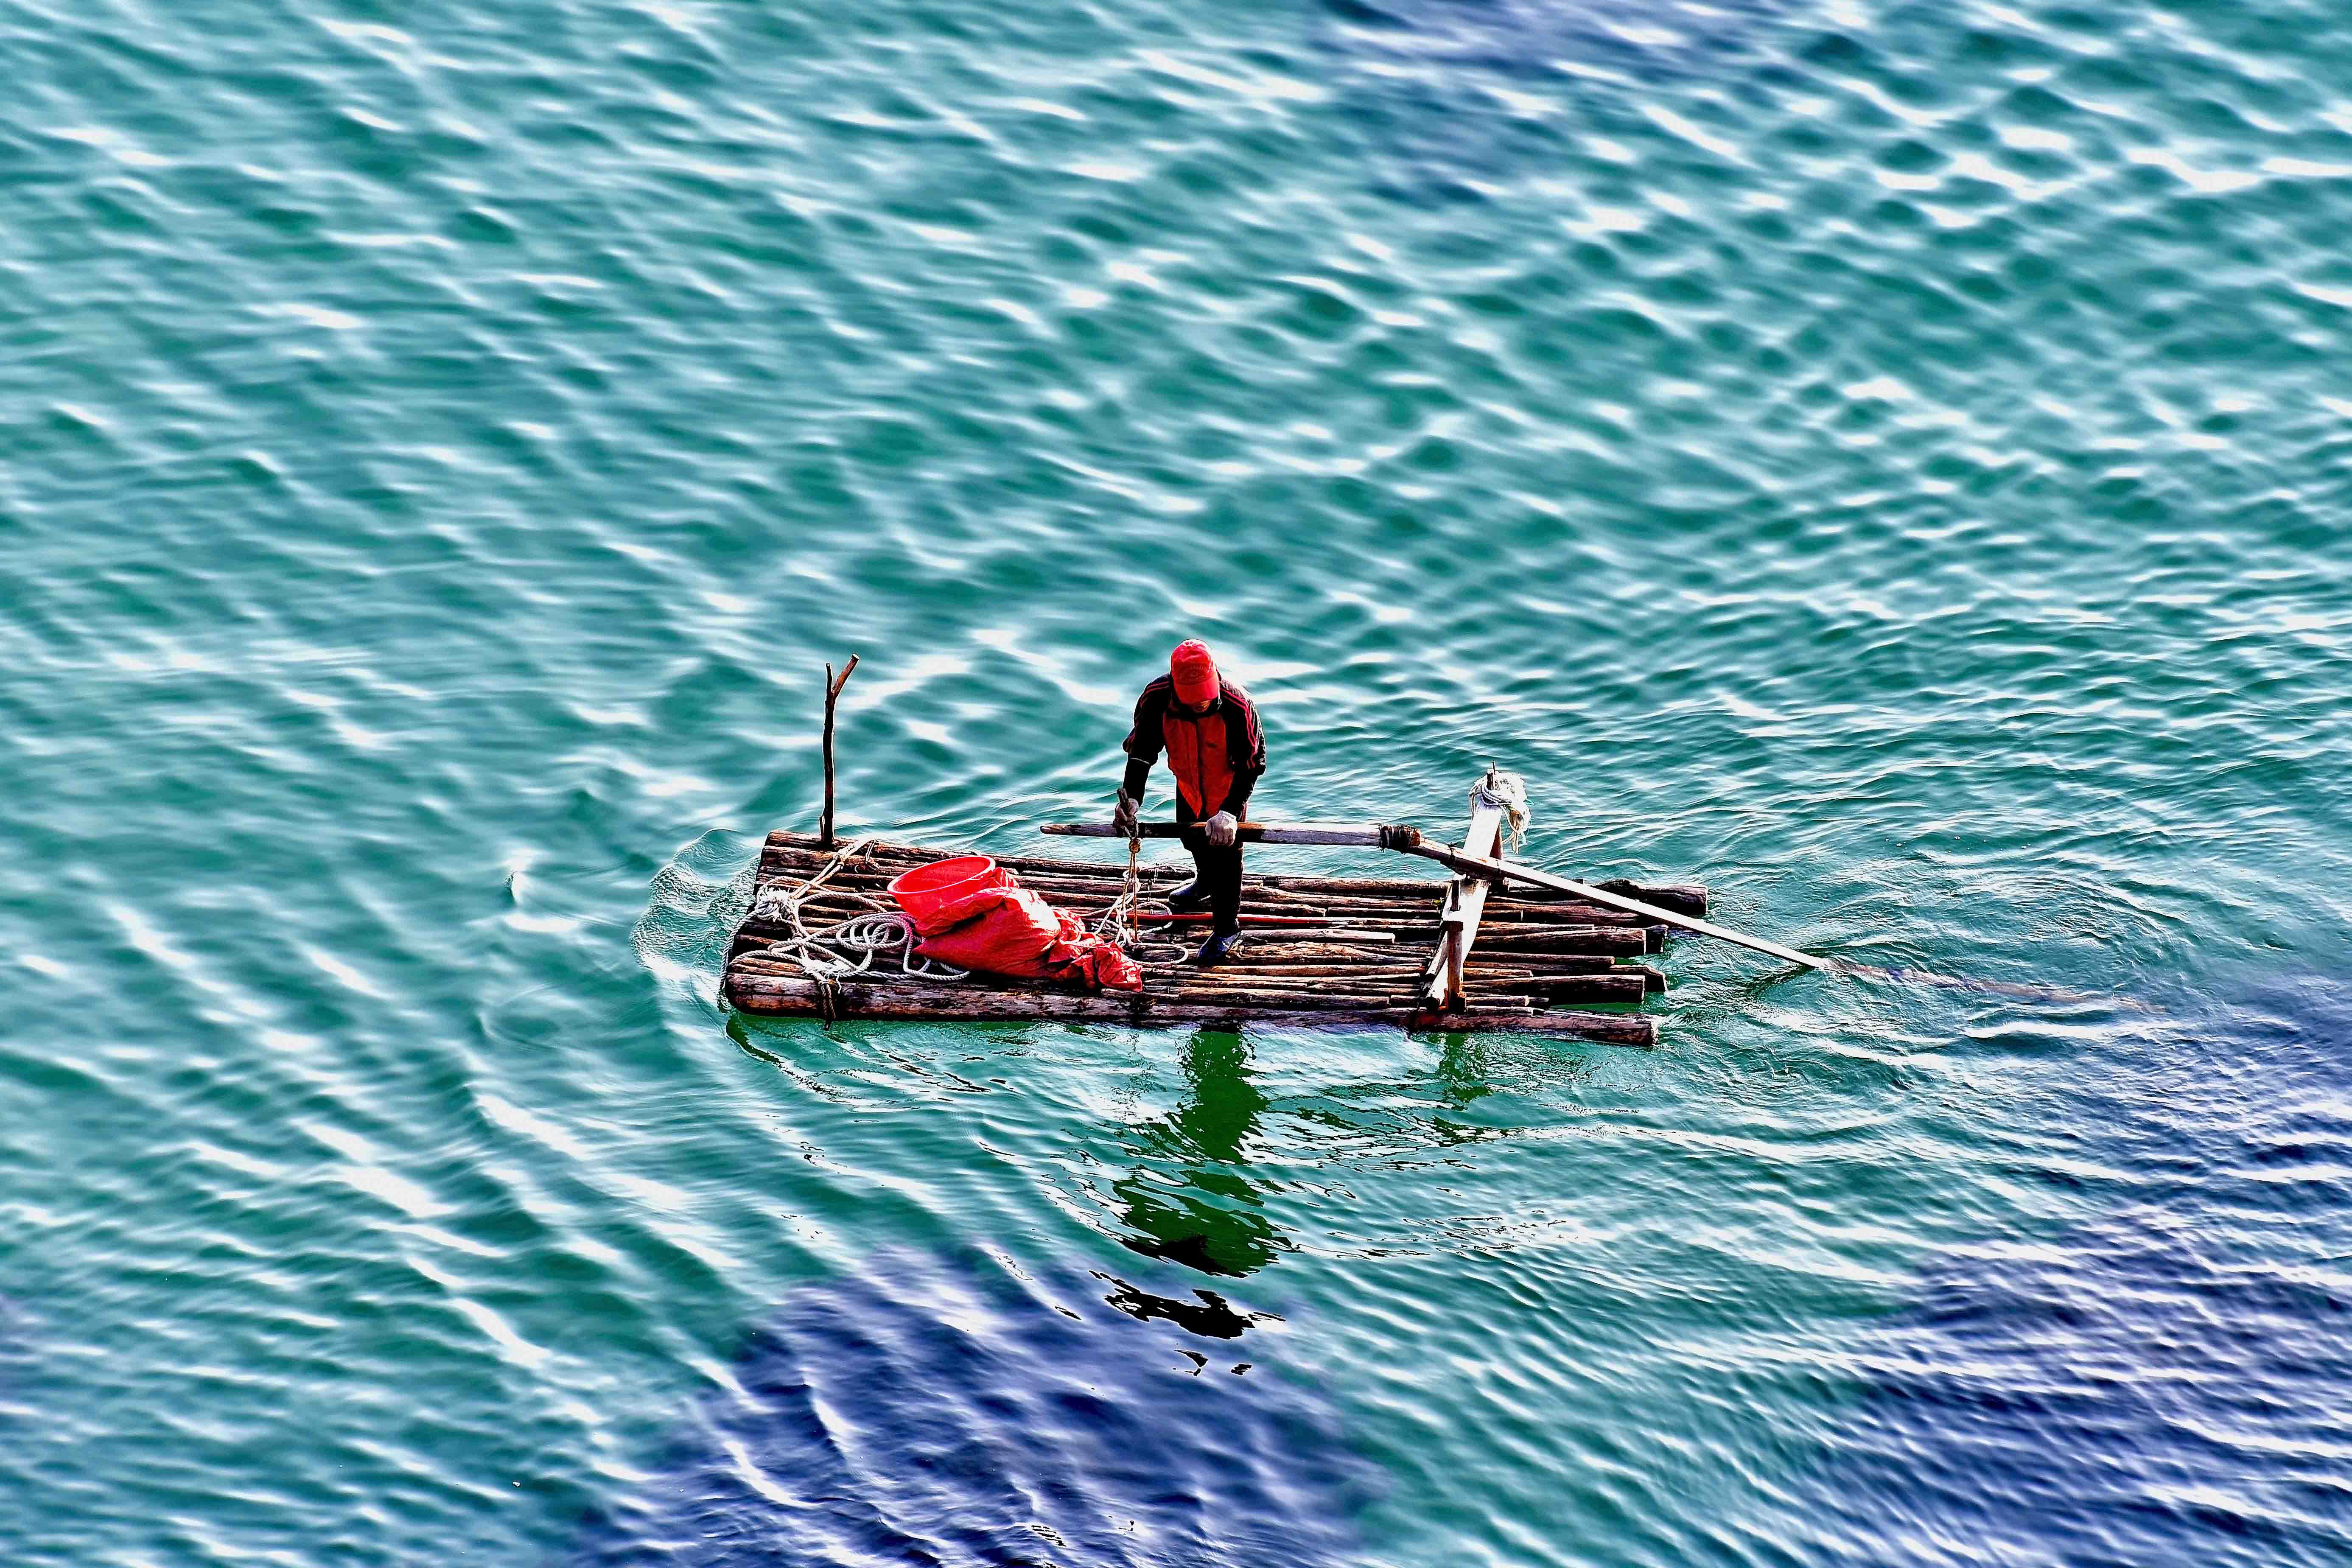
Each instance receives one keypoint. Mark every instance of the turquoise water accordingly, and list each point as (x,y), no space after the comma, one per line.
(1890,463)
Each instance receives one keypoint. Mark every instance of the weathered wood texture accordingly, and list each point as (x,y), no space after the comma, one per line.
(1324,950)
(852,1001)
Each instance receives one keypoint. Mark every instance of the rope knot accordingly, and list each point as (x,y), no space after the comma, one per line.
(1505,792)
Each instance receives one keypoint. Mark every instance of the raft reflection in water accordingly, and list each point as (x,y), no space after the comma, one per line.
(1191,1203)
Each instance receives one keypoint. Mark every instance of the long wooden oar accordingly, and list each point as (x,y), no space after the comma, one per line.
(1409,841)
(1500,870)
(1472,865)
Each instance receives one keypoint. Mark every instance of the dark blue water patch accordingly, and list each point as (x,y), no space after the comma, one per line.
(1542,39)
(960,1410)
(1412,78)
(2171,1381)
(1536,37)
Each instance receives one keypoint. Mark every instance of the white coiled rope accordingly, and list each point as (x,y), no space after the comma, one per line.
(846,948)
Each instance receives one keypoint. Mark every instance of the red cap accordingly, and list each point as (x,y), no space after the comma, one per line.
(1195,672)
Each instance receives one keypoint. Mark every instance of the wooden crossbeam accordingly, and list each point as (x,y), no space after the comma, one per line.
(1458,916)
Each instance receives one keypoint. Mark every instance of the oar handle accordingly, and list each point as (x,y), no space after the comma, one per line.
(1356,835)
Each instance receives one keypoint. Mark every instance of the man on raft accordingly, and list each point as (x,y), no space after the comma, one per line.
(1209,727)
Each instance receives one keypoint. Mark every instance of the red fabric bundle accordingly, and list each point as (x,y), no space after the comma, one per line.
(972,913)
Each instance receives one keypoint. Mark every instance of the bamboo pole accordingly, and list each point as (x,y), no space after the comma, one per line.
(1271,987)
(1342,936)
(1623,942)
(1537,964)
(1261,1000)
(1587,988)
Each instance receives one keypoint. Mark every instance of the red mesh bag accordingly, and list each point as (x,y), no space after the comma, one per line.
(972,913)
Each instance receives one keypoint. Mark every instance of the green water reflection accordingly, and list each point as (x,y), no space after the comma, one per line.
(1189,1201)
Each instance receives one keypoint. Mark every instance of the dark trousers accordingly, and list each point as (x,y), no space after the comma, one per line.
(1220,872)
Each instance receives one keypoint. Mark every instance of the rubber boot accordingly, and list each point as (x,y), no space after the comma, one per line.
(1218,948)
(1189,898)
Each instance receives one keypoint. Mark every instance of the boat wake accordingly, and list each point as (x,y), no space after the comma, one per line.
(2053,995)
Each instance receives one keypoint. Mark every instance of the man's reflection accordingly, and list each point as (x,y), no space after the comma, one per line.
(1191,1203)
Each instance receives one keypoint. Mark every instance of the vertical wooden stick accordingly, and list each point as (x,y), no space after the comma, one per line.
(1464,906)
(833,686)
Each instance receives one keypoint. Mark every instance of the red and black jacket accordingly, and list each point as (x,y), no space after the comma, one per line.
(1216,756)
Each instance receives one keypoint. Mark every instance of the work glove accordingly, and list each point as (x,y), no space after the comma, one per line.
(1222,830)
(1122,815)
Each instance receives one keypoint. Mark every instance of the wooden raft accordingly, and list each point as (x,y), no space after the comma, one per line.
(1418,953)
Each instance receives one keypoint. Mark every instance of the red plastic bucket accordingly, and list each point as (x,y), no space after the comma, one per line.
(933,895)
